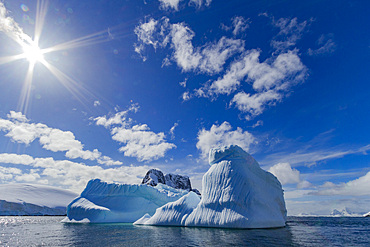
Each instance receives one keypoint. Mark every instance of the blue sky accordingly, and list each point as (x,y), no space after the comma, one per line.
(124,86)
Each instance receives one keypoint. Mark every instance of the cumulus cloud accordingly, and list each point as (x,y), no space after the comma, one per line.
(166,4)
(174,4)
(271,79)
(285,173)
(65,173)
(208,59)
(138,140)
(357,187)
(327,46)
(19,129)
(96,103)
(220,135)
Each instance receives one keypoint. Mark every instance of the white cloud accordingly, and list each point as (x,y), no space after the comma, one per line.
(357,187)
(209,58)
(290,32)
(327,46)
(20,130)
(258,123)
(166,4)
(183,83)
(16,159)
(220,135)
(138,140)
(96,103)
(146,31)
(17,116)
(199,3)
(275,73)
(65,173)
(240,24)
(172,130)
(307,157)
(174,4)
(255,104)
(11,28)
(186,96)
(285,173)
(8,173)
(120,118)
(271,79)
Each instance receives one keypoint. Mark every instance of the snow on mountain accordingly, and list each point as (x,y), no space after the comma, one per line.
(33,199)
(237,193)
(112,202)
(154,177)
(344,213)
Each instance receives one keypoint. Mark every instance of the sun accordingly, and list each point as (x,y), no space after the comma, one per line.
(33,53)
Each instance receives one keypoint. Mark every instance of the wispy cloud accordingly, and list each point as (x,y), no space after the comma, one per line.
(137,139)
(220,135)
(11,28)
(309,157)
(290,32)
(240,24)
(327,46)
(64,173)
(19,129)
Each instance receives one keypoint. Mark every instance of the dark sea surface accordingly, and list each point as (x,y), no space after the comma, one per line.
(300,231)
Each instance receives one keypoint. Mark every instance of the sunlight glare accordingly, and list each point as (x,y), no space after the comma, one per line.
(33,53)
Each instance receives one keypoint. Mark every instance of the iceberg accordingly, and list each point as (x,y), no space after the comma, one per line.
(112,202)
(367,214)
(236,193)
(33,199)
(172,214)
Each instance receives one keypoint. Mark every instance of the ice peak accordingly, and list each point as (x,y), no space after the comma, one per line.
(227,153)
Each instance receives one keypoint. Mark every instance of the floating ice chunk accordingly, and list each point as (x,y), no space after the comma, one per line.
(112,202)
(237,193)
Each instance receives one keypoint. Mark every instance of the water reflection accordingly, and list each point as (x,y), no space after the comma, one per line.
(129,235)
(300,231)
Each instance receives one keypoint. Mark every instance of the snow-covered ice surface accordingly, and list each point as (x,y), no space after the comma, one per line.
(172,214)
(237,193)
(112,202)
(33,199)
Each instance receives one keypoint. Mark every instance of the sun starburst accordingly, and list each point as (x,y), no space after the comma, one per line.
(34,54)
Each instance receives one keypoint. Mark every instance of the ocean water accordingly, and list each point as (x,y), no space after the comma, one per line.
(300,231)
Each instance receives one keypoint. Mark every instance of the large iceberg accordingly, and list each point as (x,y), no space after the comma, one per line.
(34,199)
(236,193)
(112,202)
